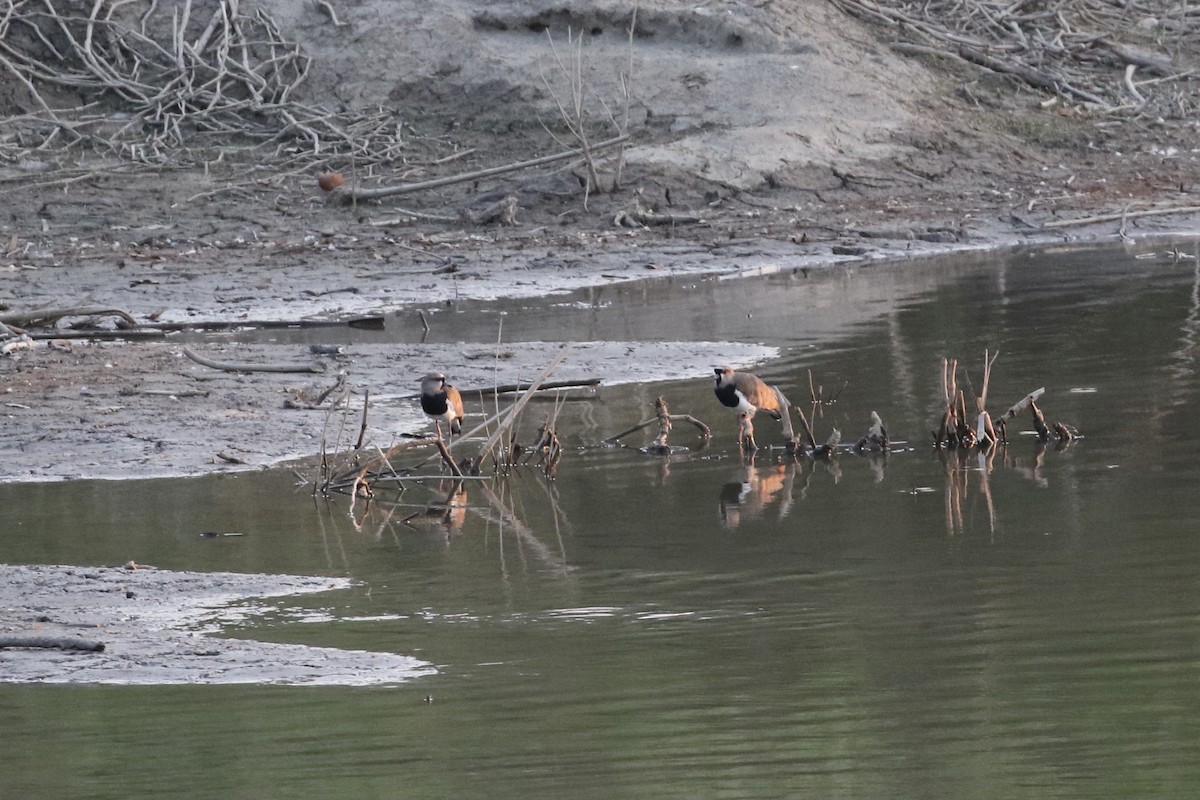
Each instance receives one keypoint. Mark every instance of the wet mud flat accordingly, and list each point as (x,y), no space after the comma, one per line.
(119,411)
(156,627)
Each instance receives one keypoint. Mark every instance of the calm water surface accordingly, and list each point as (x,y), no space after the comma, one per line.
(918,626)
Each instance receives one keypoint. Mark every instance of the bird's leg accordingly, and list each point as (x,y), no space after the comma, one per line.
(746,433)
(437,427)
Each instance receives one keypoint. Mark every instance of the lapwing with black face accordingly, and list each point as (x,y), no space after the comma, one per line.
(441,402)
(746,394)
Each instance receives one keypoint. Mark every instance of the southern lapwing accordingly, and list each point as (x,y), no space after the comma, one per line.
(746,394)
(441,402)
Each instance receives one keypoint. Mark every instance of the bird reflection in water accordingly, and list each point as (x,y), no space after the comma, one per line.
(756,488)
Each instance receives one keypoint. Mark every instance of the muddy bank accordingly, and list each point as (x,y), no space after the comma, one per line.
(762,137)
(121,410)
(156,627)
(781,136)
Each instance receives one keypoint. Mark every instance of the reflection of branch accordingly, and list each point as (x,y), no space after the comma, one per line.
(954,493)
(524,534)
(1183,358)
(560,517)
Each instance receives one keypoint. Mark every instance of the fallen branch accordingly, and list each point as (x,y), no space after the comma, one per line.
(22,342)
(646,219)
(52,642)
(345,195)
(509,388)
(48,316)
(1122,215)
(1024,402)
(704,430)
(408,215)
(315,366)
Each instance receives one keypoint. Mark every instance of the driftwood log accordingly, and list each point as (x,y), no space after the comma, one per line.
(314,366)
(52,642)
(42,317)
(647,219)
(347,194)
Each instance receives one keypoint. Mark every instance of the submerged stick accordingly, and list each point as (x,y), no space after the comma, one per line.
(1024,403)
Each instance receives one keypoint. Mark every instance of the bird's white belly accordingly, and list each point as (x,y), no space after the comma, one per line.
(744,406)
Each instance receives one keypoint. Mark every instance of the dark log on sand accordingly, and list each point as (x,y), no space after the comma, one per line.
(52,642)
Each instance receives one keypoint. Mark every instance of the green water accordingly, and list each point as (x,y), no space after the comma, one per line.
(915,627)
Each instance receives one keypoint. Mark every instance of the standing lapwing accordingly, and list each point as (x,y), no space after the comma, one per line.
(441,402)
(746,394)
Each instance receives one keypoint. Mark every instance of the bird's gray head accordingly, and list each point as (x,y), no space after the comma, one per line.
(725,372)
(433,382)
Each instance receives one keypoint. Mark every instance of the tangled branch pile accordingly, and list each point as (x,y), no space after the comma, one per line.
(146,81)
(1084,51)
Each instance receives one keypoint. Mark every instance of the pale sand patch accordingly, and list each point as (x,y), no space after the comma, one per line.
(157,625)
